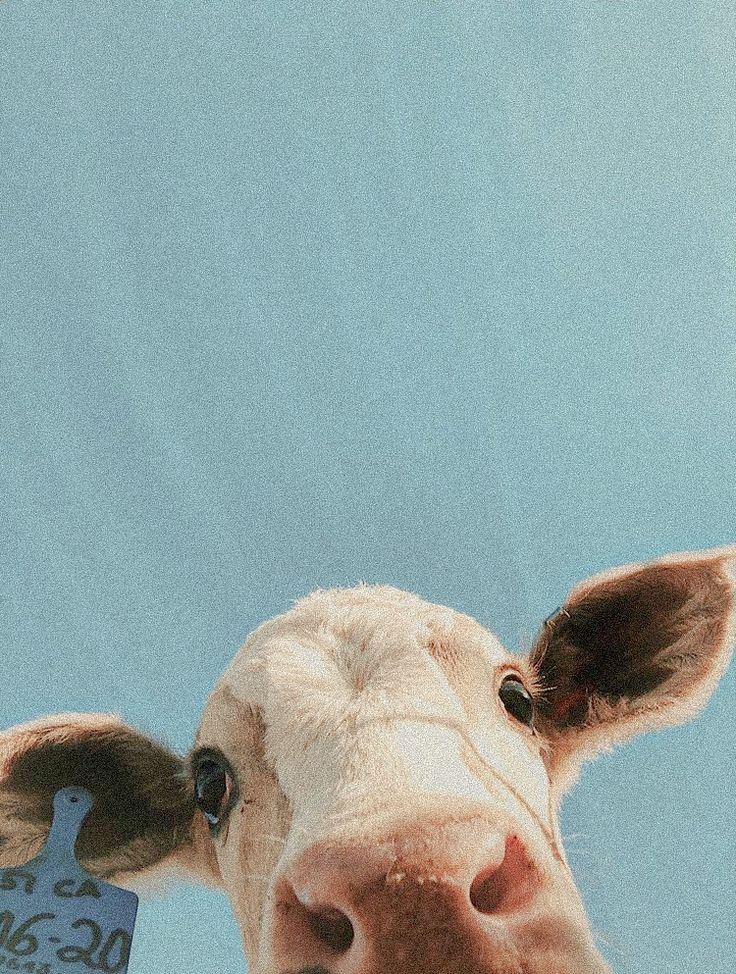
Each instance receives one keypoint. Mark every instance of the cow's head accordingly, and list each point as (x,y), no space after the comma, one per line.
(375,779)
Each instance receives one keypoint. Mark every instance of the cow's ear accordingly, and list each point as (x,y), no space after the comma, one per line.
(634,649)
(144,813)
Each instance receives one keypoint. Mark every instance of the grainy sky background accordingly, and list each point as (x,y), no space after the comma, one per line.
(434,294)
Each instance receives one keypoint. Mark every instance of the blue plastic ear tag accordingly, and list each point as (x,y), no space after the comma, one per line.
(54,917)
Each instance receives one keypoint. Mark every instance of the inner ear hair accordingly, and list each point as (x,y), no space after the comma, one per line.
(143,792)
(653,632)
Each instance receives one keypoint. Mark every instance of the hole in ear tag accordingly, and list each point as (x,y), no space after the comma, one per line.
(54,917)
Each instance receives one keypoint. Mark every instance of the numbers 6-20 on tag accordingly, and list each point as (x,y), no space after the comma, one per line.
(54,917)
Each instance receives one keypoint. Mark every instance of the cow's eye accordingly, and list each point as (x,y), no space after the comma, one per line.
(214,788)
(517,700)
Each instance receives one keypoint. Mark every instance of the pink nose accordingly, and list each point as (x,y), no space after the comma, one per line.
(426,900)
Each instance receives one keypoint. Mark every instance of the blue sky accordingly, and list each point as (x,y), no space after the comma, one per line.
(432,294)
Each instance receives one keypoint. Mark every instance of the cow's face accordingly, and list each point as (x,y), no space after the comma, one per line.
(375,780)
(383,777)
(380,797)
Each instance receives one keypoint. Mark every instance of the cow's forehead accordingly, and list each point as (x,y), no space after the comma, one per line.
(362,630)
(387,615)
(310,666)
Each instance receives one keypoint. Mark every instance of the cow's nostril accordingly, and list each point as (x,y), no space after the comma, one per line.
(508,886)
(332,928)
(488,890)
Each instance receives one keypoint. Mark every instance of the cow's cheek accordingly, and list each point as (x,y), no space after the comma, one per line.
(246,863)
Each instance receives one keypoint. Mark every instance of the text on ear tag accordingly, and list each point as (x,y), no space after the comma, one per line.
(54,917)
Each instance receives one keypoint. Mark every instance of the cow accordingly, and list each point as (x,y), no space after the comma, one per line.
(375,780)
